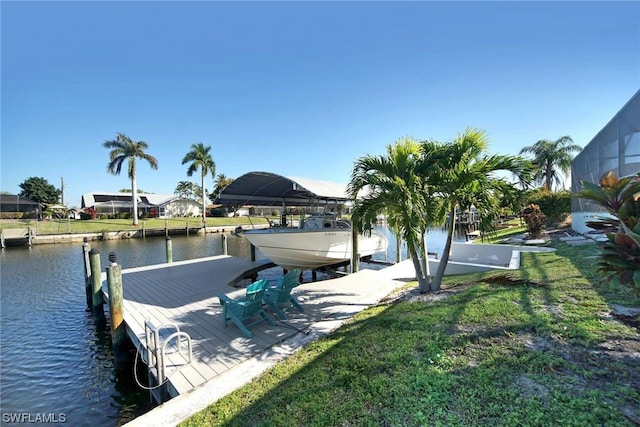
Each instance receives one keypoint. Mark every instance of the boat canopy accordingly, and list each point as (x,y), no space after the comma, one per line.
(270,189)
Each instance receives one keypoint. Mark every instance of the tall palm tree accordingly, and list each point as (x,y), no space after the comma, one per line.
(392,187)
(464,176)
(123,148)
(200,158)
(552,157)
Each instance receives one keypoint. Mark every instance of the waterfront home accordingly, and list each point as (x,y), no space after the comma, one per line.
(155,205)
(615,148)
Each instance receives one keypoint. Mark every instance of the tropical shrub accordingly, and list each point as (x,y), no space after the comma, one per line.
(555,206)
(620,256)
(534,219)
(11,215)
(88,213)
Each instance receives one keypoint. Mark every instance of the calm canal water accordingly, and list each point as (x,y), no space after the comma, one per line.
(55,362)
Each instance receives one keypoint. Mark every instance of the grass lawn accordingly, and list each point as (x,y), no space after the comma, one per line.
(64,226)
(539,346)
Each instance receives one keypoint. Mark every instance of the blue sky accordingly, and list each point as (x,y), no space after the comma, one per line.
(297,88)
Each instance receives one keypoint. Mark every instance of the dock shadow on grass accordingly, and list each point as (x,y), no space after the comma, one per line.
(531,347)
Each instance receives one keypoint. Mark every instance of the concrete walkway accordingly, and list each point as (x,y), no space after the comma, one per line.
(346,296)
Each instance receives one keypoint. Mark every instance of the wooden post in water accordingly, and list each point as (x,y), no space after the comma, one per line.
(96,284)
(116,310)
(143,232)
(169,250)
(166,228)
(30,235)
(2,245)
(86,247)
(187,227)
(225,248)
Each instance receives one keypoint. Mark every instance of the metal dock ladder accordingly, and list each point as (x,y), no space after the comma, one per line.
(157,355)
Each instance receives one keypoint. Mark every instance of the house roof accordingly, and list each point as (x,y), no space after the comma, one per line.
(111,198)
(270,189)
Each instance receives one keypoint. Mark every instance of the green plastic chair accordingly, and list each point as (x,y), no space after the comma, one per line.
(279,298)
(243,312)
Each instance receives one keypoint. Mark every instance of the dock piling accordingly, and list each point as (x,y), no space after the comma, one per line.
(2,245)
(86,247)
(169,250)
(118,327)
(96,281)
(225,248)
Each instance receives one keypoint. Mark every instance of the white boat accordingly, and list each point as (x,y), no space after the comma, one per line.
(316,242)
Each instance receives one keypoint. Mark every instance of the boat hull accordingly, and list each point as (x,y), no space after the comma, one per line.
(309,249)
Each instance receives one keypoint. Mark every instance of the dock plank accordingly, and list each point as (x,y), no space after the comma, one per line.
(186,294)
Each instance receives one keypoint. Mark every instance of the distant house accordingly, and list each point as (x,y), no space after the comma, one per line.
(15,206)
(155,205)
(615,148)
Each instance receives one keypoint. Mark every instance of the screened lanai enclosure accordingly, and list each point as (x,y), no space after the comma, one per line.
(615,148)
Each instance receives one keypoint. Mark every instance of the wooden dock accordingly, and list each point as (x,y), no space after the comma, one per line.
(185,294)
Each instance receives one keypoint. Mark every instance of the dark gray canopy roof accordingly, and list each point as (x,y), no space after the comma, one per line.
(269,189)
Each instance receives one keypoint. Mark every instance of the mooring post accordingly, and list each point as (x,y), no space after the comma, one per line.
(253,253)
(96,284)
(225,248)
(86,247)
(118,328)
(143,232)
(30,235)
(169,250)
(166,228)
(2,240)
(187,227)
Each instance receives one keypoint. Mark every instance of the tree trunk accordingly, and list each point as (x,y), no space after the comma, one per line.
(437,280)
(548,181)
(204,206)
(134,198)
(423,281)
(425,259)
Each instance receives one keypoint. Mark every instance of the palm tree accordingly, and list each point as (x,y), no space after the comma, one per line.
(184,189)
(200,158)
(123,148)
(220,183)
(464,176)
(552,155)
(393,188)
